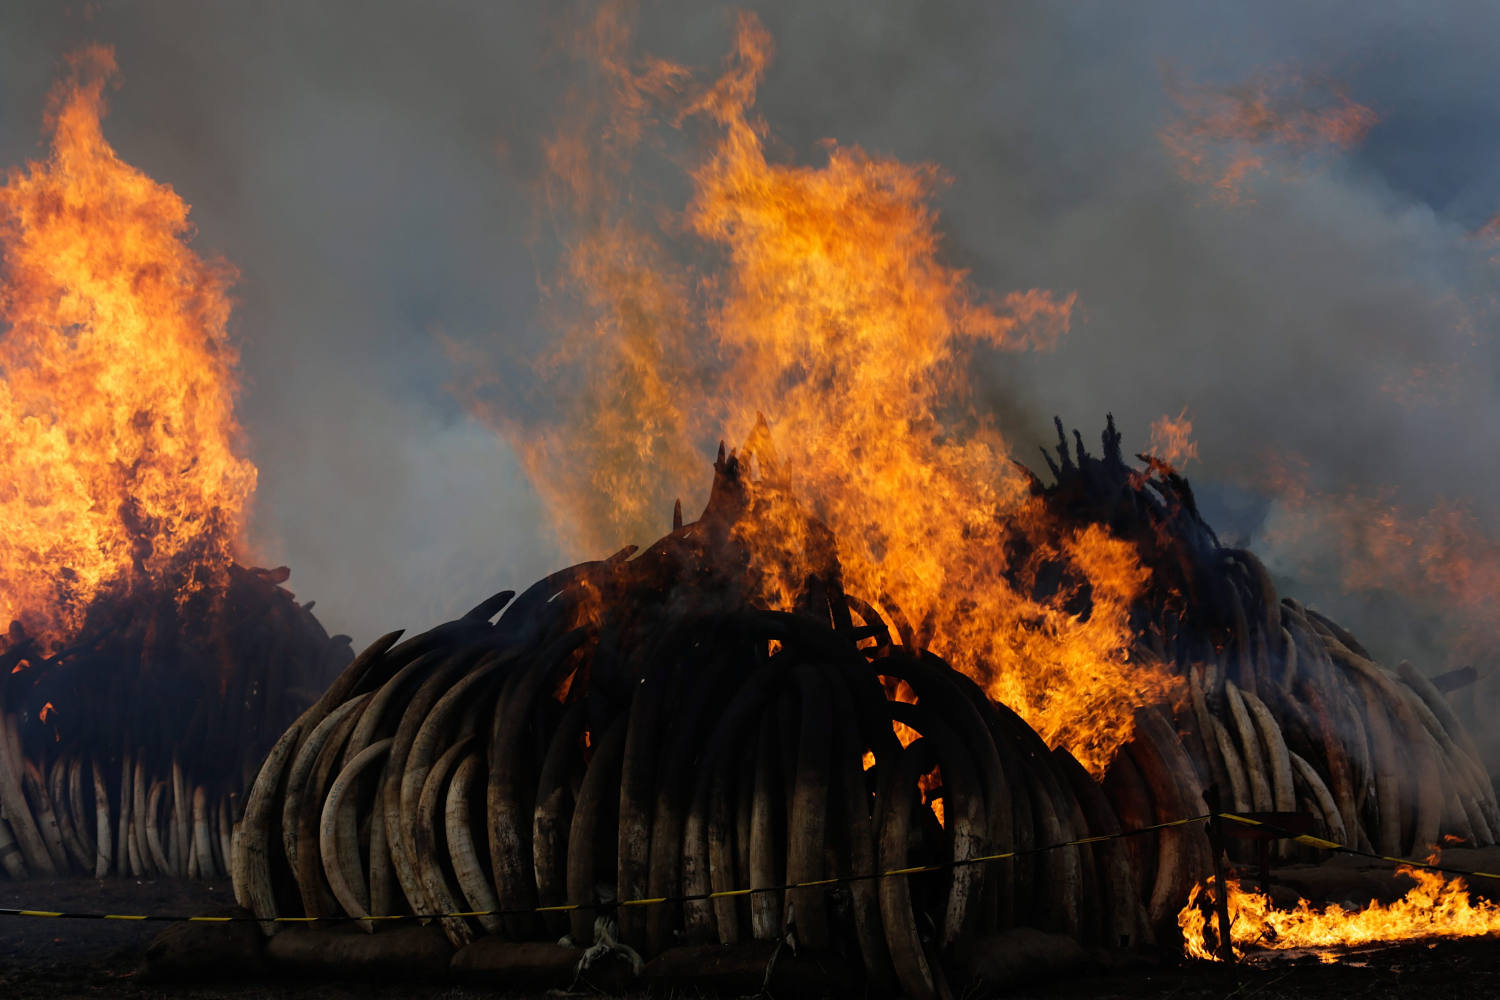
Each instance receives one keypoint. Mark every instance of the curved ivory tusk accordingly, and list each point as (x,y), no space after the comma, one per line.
(765,869)
(223,812)
(82,821)
(1204,720)
(1184,854)
(382,875)
(898,795)
(1387,787)
(857,853)
(1239,785)
(1251,757)
(440,893)
(550,819)
(374,718)
(22,823)
(1332,821)
(508,816)
(437,726)
(35,785)
(153,830)
(293,793)
(251,861)
(468,869)
(389,795)
(68,818)
(202,850)
(1340,781)
(638,772)
(103,847)
(601,783)
(140,791)
(1283,796)
(337,841)
(182,818)
(807,820)
(10,853)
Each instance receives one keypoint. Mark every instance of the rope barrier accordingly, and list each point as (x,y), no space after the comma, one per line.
(1304,839)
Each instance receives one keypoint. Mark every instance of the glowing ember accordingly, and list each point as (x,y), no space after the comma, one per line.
(118,455)
(826,305)
(1435,907)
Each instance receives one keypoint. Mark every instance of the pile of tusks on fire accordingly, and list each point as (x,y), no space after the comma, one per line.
(633,729)
(1282,709)
(127,751)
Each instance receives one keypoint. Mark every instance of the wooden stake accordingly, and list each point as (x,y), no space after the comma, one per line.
(1221,887)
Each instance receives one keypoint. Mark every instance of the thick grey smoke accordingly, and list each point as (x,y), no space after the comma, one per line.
(371,168)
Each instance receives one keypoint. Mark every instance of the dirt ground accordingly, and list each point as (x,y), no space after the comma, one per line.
(55,958)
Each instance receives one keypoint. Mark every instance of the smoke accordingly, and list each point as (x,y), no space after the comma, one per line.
(372,170)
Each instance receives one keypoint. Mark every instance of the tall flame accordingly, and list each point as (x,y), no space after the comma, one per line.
(118,455)
(818,295)
(1435,907)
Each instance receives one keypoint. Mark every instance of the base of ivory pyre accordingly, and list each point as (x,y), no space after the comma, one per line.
(204,953)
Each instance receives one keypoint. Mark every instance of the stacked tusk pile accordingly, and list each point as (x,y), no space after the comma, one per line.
(127,752)
(631,729)
(636,729)
(1282,709)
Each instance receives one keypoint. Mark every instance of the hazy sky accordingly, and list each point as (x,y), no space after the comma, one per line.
(370,168)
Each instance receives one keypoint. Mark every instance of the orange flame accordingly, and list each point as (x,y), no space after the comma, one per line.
(1223,133)
(818,295)
(117,430)
(1435,907)
(931,782)
(1172,439)
(1442,558)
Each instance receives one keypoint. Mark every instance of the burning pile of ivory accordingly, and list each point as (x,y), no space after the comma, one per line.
(1283,710)
(126,752)
(642,728)
(144,671)
(635,728)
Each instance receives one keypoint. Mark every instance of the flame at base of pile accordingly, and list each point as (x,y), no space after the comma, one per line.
(1435,907)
